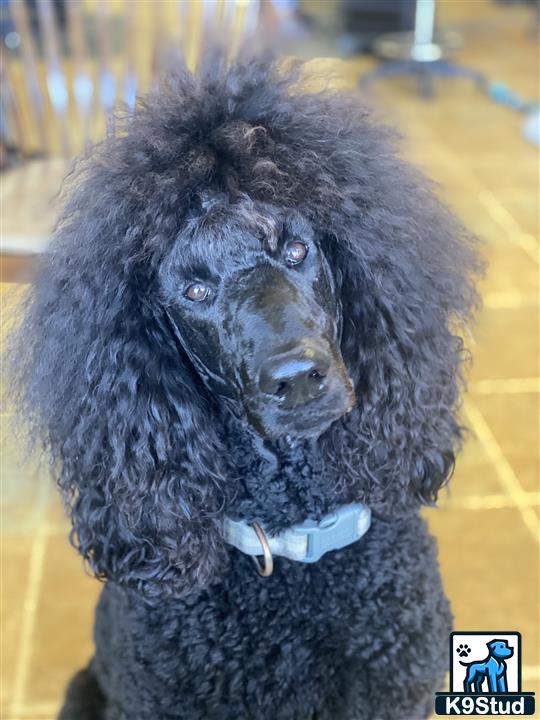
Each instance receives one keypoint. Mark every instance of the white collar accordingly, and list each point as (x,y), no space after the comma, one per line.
(306,542)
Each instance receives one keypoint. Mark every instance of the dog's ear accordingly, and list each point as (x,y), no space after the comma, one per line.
(128,427)
(405,268)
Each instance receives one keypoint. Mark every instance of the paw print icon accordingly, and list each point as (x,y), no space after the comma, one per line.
(463,650)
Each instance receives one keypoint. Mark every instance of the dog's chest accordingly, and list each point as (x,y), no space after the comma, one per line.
(299,626)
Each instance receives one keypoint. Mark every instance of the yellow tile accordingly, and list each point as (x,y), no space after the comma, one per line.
(31,715)
(474,474)
(523,206)
(24,487)
(56,517)
(489,564)
(514,421)
(506,344)
(469,208)
(29,494)
(496,174)
(34,713)
(62,640)
(509,270)
(14,564)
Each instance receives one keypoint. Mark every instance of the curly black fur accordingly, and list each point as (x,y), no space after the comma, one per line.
(149,461)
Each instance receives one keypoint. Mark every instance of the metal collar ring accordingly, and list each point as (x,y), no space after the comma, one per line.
(266,568)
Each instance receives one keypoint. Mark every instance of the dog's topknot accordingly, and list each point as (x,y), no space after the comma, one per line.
(134,437)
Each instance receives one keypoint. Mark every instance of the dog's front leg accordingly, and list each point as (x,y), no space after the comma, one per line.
(492,682)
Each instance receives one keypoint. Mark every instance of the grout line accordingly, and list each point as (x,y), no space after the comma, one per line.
(505,472)
(35,574)
(507,221)
(490,502)
(505,386)
(33,584)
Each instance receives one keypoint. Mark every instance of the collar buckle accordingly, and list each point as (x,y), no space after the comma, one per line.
(306,542)
(334,531)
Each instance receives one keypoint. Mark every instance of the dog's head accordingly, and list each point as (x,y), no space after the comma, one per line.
(242,248)
(252,300)
(499,649)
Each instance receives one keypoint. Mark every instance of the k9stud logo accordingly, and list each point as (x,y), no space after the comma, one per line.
(485,676)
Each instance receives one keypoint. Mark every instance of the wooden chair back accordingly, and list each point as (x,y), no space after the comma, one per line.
(69,65)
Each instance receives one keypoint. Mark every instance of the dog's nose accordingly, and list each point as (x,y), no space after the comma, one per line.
(296,377)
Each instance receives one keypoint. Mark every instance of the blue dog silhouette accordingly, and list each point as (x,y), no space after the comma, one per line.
(493,668)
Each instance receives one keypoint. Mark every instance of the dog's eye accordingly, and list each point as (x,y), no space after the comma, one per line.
(197,292)
(295,253)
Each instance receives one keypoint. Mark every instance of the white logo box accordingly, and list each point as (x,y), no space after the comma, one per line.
(477,642)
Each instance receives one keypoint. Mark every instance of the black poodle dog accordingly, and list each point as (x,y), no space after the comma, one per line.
(247,322)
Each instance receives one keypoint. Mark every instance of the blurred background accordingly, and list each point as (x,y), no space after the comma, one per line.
(459,80)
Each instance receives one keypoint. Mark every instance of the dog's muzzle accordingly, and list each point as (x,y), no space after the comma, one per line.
(306,542)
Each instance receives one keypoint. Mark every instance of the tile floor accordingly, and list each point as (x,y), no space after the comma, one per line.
(488,523)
